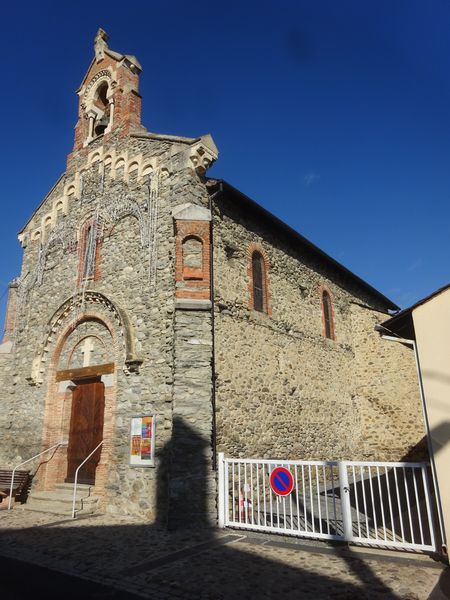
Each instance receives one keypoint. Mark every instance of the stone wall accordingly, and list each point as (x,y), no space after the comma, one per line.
(144,320)
(192,491)
(283,389)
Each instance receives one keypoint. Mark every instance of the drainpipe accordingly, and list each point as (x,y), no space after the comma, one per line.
(413,343)
(213,349)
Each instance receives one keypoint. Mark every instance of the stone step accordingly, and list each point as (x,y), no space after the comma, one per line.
(79,485)
(60,496)
(56,509)
(69,486)
(61,506)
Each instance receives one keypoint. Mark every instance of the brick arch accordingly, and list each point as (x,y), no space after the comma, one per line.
(86,317)
(252,248)
(98,306)
(324,289)
(81,341)
(58,406)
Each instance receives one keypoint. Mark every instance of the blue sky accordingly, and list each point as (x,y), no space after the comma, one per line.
(335,116)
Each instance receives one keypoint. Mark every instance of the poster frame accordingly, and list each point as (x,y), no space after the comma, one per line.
(145,463)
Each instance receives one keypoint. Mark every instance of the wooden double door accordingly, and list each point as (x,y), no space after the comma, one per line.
(86,429)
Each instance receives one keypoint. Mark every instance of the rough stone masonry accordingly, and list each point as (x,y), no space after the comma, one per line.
(186,301)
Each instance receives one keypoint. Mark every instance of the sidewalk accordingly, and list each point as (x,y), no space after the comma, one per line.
(214,565)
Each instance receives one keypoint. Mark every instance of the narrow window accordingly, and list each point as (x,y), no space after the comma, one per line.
(258,281)
(90,250)
(327,315)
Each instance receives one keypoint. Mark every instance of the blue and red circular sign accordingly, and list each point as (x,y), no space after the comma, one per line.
(281,481)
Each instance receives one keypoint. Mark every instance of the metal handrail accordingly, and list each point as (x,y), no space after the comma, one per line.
(76,477)
(24,463)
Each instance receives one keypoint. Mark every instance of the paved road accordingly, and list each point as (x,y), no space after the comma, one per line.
(136,560)
(22,581)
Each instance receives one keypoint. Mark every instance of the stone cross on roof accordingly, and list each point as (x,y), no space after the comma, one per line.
(100,44)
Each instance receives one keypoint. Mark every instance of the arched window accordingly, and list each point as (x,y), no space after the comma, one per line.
(259,282)
(89,251)
(120,169)
(192,248)
(59,210)
(47,226)
(133,173)
(327,312)
(147,173)
(107,166)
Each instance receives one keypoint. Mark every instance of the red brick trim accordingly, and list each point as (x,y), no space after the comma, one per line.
(192,282)
(126,99)
(324,288)
(256,247)
(57,413)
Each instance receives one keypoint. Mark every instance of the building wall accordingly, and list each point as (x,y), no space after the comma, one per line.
(283,389)
(432,328)
(31,415)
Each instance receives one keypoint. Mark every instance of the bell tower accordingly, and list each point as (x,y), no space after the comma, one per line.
(109,100)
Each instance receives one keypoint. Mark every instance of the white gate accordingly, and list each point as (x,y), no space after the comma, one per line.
(371,503)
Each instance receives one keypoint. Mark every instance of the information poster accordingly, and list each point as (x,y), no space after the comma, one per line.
(142,441)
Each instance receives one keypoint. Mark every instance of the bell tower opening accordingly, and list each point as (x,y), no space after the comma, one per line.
(101,102)
(109,99)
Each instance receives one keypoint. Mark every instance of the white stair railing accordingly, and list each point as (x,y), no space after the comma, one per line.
(76,478)
(24,463)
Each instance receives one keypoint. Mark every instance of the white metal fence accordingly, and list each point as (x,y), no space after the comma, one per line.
(372,503)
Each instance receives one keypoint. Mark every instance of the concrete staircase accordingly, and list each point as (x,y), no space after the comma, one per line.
(59,501)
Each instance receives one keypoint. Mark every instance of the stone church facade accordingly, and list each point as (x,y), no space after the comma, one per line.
(149,290)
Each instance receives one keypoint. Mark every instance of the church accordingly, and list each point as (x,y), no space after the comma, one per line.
(162,316)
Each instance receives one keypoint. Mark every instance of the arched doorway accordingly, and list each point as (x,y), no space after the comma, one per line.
(81,403)
(86,429)
(84,359)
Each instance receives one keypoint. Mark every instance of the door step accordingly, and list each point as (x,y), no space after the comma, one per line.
(59,501)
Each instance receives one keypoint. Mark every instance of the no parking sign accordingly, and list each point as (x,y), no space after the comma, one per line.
(281,481)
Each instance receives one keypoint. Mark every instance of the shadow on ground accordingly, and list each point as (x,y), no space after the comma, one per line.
(181,556)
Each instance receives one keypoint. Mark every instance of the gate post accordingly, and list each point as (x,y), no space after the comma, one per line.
(221,490)
(345,501)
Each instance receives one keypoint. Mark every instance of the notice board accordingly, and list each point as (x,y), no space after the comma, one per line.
(142,441)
